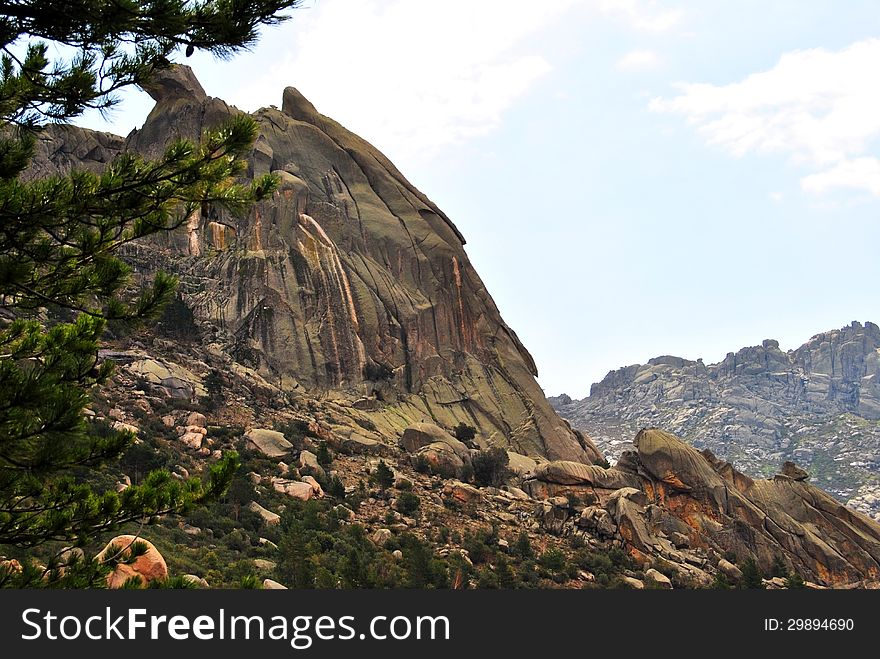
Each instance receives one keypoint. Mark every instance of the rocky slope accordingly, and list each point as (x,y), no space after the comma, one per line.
(667,514)
(818,405)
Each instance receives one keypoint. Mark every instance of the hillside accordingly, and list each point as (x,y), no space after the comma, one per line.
(390,425)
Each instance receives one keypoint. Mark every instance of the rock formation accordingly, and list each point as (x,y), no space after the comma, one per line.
(818,406)
(147,566)
(666,500)
(348,281)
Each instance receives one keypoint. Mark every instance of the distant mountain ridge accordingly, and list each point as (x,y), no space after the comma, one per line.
(818,405)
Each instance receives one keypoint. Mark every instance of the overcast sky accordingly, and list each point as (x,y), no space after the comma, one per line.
(634,178)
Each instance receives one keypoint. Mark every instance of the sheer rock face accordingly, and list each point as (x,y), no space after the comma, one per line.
(667,499)
(818,405)
(348,280)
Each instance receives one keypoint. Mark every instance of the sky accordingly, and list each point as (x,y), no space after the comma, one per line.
(633,178)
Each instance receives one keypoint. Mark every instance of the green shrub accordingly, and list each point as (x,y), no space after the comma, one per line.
(464,433)
(779,568)
(751,575)
(720,582)
(378,372)
(336,488)
(481,546)
(506,575)
(523,547)
(383,476)
(323,455)
(490,467)
(486,578)
(553,560)
(421,465)
(794,581)
(408,503)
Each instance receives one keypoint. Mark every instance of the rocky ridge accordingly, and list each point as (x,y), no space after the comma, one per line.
(818,405)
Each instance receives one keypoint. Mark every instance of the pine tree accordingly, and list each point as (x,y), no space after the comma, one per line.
(325,459)
(779,568)
(60,280)
(794,581)
(751,575)
(384,476)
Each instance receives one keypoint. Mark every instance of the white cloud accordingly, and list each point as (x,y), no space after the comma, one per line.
(857,174)
(820,108)
(643,15)
(638,60)
(415,77)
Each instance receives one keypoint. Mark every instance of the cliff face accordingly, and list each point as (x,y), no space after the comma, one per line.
(818,405)
(349,281)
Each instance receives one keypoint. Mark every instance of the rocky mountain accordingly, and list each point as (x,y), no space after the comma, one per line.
(339,339)
(349,281)
(817,405)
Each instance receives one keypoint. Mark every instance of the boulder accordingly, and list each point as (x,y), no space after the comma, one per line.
(633,494)
(564,472)
(173,83)
(268,516)
(729,570)
(175,380)
(516,493)
(794,472)
(598,520)
(195,580)
(422,435)
(629,516)
(461,492)
(264,565)
(774,583)
(315,485)
(296,489)
(192,440)
(442,459)
(381,537)
(149,566)
(121,426)
(633,583)
(521,465)
(308,464)
(269,584)
(196,419)
(270,443)
(660,580)
(679,467)
(553,515)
